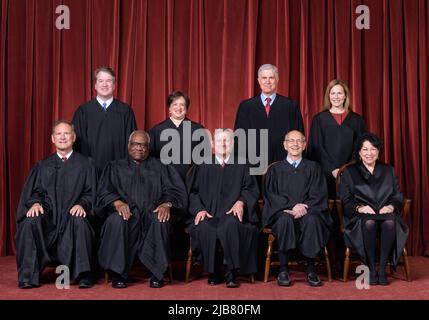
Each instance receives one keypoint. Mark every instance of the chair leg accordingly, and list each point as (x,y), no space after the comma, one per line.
(406,265)
(346,265)
(328,265)
(188,265)
(252,279)
(268,259)
(106,277)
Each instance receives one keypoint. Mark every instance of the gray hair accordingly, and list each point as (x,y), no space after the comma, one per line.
(268,66)
(139,132)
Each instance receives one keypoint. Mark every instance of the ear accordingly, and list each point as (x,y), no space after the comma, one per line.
(52,138)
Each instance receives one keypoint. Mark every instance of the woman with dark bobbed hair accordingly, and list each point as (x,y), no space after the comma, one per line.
(372,205)
(178,105)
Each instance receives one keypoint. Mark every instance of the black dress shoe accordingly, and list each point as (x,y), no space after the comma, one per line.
(118,284)
(231,281)
(85,283)
(156,283)
(313,279)
(214,279)
(25,285)
(382,279)
(373,278)
(283,279)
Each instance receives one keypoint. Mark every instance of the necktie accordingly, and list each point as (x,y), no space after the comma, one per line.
(223,163)
(64,159)
(294,164)
(104,106)
(267,106)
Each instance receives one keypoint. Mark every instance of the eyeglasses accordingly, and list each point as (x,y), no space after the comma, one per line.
(293,141)
(137,144)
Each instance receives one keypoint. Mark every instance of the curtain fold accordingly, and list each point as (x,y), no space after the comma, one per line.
(212,49)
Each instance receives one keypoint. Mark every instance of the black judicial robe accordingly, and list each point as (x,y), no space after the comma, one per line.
(215,190)
(103,136)
(284,116)
(156,144)
(56,236)
(331,144)
(143,187)
(286,186)
(359,187)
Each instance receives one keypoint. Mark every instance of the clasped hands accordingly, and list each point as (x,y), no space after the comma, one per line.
(298,211)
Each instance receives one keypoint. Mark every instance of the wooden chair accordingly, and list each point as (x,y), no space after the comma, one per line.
(271,239)
(405,212)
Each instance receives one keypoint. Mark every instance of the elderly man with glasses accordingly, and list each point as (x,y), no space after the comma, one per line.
(295,197)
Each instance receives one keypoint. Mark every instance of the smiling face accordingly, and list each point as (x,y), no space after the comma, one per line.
(63,137)
(104,85)
(337,96)
(138,147)
(178,109)
(294,144)
(268,81)
(369,154)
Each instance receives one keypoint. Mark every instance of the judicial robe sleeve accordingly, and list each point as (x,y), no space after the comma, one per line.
(275,201)
(173,188)
(88,196)
(249,195)
(192,183)
(345,194)
(109,190)
(32,193)
(80,127)
(396,198)
(318,193)
(298,118)
(241,119)
(316,148)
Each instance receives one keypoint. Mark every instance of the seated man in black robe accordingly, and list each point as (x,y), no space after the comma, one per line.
(295,207)
(222,196)
(137,194)
(52,224)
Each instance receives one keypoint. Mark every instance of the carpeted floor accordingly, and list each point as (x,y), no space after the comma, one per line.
(198,289)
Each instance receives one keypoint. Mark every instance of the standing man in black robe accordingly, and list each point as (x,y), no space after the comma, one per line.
(52,225)
(295,207)
(103,124)
(137,194)
(271,111)
(222,197)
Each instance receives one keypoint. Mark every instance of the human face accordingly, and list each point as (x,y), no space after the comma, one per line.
(224,143)
(63,138)
(294,144)
(104,85)
(138,147)
(369,154)
(178,109)
(337,96)
(268,82)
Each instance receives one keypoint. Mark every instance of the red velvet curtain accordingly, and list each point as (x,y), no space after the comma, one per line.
(212,49)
